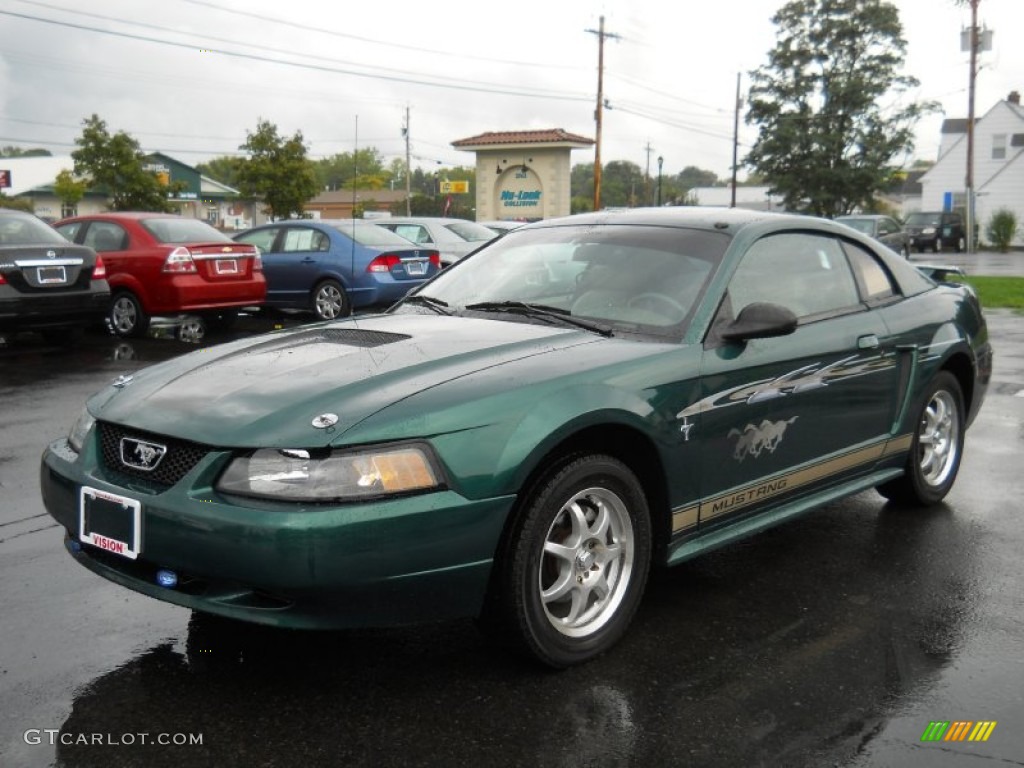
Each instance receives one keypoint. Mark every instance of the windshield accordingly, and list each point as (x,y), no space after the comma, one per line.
(924,219)
(639,279)
(184,231)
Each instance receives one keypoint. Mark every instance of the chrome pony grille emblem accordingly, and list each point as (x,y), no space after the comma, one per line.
(141,455)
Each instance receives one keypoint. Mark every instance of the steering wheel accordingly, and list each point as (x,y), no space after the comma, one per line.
(655,299)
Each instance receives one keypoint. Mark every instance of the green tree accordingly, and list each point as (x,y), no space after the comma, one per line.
(116,165)
(277,171)
(11,151)
(68,189)
(825,142)
(223,169)
(364,168)
(1001,229)
(18,203)
(691,176)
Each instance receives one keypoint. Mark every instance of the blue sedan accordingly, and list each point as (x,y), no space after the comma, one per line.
(332,267)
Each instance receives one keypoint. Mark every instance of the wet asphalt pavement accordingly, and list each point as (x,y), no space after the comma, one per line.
(831,641)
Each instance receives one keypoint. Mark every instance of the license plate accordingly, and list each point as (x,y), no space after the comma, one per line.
(226,266)
(50,275)
(110,522)
(416,267)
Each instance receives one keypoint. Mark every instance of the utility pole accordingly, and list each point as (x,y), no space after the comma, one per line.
(973,35)
(735,139)
(408,169)
(601,35)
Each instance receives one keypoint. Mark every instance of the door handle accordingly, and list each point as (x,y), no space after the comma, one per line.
(870,341)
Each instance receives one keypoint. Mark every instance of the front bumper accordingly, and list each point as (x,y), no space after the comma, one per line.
(398,561)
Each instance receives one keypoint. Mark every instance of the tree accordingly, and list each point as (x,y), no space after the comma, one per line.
(1001,229)
(115,164)
(364,168)
(692,176)
(69,190)
(17,203)
(223,169)
(11,151)
(825,143)
(277,171)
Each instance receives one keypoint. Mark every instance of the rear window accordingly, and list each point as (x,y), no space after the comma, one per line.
(28,230)
(184,231)
(471,231)
(370,234)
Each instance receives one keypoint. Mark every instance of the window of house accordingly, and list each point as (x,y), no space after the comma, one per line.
(999,146)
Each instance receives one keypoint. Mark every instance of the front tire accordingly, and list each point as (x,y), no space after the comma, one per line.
(577,562)
(330,300)
(937,447)
(126,316)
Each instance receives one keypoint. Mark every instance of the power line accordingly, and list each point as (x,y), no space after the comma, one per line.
(301,65)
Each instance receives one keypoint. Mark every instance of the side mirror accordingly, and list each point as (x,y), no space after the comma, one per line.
(760,320)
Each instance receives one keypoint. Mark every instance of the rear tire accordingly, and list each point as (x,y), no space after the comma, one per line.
(576,563)
(938,444)
(126,316)
(330,301)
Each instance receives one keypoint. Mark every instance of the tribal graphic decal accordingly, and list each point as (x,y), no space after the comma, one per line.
(809,377)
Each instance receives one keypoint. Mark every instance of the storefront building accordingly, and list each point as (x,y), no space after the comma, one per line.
(523,175)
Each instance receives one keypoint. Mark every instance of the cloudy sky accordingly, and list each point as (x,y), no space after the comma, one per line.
(190,77)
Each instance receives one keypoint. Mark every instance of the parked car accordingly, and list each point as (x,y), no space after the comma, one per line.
(329,267)
(935,230)
(503,226)
(885,229)
(523,437)
(162,264)
(47,284)
(453,238)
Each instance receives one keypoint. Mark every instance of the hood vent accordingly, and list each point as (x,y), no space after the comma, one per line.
(349,337)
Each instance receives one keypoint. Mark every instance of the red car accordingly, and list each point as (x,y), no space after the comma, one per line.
(162,264)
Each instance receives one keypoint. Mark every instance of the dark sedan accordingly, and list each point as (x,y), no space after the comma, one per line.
(524,437)
(331,267)
(46,283)
(885,229)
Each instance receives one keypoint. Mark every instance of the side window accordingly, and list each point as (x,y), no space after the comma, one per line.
(261,238)
(104,236)
(70,231)
(806,273)
(887,227)
(300,239)
(874,280)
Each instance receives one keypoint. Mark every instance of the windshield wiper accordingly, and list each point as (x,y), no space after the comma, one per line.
(543,311)
(438,305)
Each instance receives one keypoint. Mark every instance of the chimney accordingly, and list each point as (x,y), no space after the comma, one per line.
(1014,97)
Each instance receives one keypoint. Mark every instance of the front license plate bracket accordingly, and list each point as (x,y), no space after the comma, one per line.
(110,522)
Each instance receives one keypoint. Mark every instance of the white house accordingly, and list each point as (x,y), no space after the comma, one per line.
(752,198)
(998,166)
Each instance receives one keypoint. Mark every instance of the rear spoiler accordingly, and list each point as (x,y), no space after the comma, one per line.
(940,274)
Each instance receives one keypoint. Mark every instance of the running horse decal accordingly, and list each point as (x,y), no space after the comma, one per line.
(753,440)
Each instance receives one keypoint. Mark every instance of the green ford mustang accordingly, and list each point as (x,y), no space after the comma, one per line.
(527,434)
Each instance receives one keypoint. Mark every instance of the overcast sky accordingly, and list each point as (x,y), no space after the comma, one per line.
(190,77)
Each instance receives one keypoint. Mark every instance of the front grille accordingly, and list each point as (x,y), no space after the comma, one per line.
(179,460)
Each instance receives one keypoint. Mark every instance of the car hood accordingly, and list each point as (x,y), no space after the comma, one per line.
(268,390)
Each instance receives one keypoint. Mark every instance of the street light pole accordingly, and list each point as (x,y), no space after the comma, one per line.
(660,161)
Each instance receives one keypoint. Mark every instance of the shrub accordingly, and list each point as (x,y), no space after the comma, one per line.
(1001,229)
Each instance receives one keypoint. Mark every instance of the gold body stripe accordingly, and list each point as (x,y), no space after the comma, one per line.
(733,501)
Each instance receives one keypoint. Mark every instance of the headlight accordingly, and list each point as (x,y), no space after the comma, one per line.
(301,475)
(77,435)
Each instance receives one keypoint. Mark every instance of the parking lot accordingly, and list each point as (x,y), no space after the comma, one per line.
(834,640)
